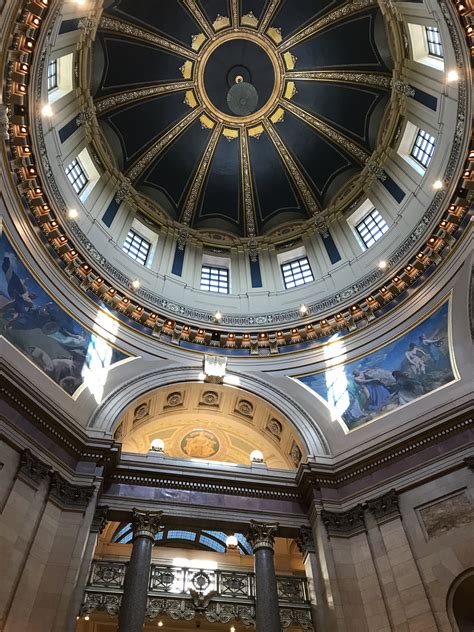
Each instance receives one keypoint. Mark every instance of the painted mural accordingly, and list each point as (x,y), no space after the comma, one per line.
(69,354)
(414,365)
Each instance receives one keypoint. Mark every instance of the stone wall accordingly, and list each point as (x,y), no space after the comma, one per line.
(45,523)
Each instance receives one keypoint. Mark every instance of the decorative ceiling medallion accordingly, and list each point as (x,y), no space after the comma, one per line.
(214,50)
(200,444)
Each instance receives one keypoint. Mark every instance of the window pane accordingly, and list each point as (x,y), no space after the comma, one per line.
(371,228)
(136,247)
(52,75)
(76,176)
(296,273)
(423,148)
(215,280)
(433,38)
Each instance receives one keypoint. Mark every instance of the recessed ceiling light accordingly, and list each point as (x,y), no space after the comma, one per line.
(218,315)
(382,264)
(72,213)
(47,110)
(437,185)
(135,284)
(303,309)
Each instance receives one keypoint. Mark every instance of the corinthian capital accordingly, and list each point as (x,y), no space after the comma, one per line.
(146,523)
(261,535)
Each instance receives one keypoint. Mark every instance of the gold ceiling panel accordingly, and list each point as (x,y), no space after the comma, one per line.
(108,103)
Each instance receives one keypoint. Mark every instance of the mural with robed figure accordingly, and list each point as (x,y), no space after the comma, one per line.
(415,364)
(38,327)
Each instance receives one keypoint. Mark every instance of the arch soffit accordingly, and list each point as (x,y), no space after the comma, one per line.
(107,416)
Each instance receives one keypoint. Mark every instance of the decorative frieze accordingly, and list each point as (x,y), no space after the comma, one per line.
(346,523)
(385,507)
(262,535)
(305,541)
(67,495)
(31,469)
(99,520)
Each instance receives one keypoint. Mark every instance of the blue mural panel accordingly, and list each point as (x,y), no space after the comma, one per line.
(38,327)
(400,372)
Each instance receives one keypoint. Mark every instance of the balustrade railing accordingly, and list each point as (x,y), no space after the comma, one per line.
(187,593)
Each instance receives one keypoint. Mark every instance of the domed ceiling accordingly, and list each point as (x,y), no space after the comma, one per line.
(240,115)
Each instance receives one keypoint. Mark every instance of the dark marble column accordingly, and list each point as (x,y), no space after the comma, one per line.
(134,601)
(261,537)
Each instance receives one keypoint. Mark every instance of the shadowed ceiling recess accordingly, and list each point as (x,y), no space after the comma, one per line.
(241,116)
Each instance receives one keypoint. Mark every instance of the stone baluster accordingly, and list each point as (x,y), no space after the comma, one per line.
(134,601)
(261,537)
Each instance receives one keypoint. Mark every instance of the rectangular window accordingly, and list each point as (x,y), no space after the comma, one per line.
(296,273)
(136,247)
(433,39)
(423,148)
(76,176)
(215,279)
(371,228)
(52,75)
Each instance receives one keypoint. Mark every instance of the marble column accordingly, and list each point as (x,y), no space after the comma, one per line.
(134,601)
(261,537)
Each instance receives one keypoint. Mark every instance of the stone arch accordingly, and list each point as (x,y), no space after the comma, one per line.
(106,418)
(460,603)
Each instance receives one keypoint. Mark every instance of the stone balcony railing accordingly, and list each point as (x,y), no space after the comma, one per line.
(188,593)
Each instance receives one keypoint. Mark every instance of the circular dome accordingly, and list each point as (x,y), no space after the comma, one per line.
(242,123)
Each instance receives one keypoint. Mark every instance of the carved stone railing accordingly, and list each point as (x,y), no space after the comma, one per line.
(188,593)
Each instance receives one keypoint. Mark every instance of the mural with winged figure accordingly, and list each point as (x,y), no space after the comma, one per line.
(38,327)
(415,364)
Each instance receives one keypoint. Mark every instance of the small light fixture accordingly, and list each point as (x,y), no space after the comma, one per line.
(157,445)
(72,213)
(452,75)
(135,284)
(160,624)
(382,264)
(214,368)
(232,628)
(87,617)
(303,309)
(218,315)
(256,456)
(232,543)
(437,185)
(47,110)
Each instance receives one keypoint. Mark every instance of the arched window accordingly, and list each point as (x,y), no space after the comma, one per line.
(461,603)
(191,538)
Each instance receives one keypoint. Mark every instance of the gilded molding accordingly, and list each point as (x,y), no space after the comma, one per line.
(130,96)
(347,145)
(376,80)
(261,535)
(162,143)
(146,524)
(195,10)
(247,189)
(293,169)
(235,13)
(350,8)
(199,179)
(270,11)
(115,25)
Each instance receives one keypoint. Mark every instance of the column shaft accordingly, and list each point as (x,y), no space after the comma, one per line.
(135,590)
(268,614)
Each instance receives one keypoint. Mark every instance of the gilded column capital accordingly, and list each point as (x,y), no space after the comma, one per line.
(261,535)
(146,524)
(305,541)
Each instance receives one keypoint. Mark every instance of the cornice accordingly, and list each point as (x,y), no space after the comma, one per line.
(174,323)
